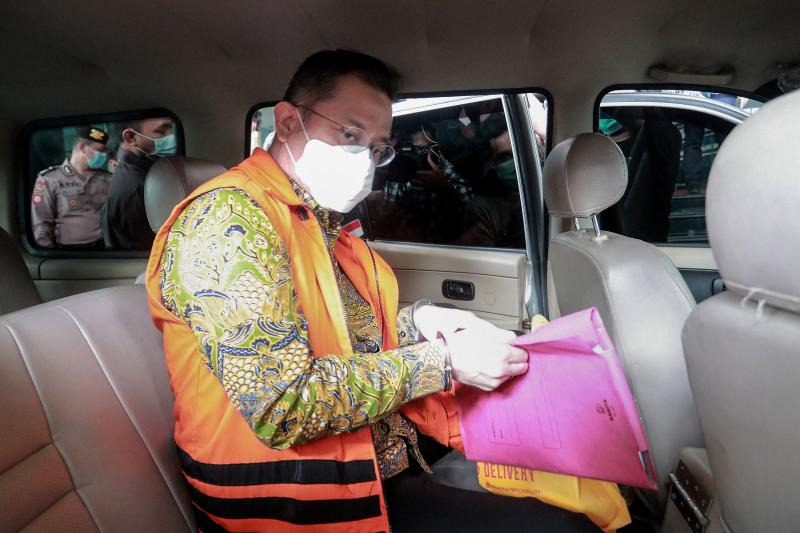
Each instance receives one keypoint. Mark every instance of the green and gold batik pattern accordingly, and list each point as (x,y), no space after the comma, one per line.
(226,272)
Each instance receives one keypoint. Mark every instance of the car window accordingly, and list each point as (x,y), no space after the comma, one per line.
(83,182)
(261,125)
(670,139)
(453,179)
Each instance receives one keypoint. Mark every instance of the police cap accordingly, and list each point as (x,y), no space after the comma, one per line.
(90,133)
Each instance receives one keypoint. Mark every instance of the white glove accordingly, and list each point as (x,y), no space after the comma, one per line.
(482,361)
(432,321)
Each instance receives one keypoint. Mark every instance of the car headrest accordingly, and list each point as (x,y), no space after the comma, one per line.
(752,204)
(170,180)
(584,175)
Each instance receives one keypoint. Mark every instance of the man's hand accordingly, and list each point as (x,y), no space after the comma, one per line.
(484,362)
(430,180)
(432,321)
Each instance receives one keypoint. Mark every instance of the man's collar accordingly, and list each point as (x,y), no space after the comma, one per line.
(262,166)
(67,169)
(329,219)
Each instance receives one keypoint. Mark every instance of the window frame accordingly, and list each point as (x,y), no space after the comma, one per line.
(430,94)
(671,87)
(248,121)
(21,182)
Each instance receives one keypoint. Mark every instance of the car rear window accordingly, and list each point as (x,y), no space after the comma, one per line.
(82,183)
(669,138)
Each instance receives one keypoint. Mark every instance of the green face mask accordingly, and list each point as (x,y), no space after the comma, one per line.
(507,171)
(609,126)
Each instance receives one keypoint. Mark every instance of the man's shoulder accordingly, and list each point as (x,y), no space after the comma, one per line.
(50,172)
(229,210)
(101,176)
(132,167)
(226,196)
(126,180)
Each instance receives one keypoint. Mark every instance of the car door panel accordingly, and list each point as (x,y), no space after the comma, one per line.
(498,278)
(53,289)
(703,283)
(685,257)
(60,277)
(698,268)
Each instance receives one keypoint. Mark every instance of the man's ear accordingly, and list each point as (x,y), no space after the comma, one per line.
(286,120)
(128,136)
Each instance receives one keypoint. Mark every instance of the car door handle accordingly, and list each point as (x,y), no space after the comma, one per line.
(718,286)
(458,290)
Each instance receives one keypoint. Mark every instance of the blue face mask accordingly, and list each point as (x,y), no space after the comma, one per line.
(98,161)
(164,146)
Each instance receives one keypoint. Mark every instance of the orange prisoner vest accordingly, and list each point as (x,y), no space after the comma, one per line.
(237,482)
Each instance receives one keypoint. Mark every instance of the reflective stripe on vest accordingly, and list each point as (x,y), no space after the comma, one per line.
(291,510)
(302,471)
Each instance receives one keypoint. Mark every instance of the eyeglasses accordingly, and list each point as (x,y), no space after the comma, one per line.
(355,140)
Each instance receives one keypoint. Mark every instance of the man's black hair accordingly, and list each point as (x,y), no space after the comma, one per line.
(135,125)
(318,75)
(494,126)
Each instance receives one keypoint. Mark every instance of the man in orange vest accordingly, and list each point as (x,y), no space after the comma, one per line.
(299,385)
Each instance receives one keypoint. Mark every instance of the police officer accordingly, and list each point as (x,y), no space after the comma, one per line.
(66,200)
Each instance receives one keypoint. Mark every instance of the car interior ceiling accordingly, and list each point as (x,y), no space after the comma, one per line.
(209,64)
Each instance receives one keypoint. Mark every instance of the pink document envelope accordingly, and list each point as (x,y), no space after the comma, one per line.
(571,413)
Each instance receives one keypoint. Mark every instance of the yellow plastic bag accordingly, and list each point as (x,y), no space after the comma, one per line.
(601,501)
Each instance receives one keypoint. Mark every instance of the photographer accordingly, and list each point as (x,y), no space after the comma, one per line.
(426,187)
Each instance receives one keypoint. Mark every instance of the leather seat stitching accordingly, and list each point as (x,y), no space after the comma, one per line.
(44,511)
(48,417)
(25,458)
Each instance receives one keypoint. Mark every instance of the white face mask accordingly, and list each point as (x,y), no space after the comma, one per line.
(336,176)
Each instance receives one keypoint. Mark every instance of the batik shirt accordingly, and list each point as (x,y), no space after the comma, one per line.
(226,273)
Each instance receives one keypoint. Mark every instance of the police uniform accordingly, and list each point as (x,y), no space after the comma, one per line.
(65,204)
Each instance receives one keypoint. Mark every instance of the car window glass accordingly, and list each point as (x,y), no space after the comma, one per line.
(538,107)
(262,124)
(454,178)
(670,139)
(83,183)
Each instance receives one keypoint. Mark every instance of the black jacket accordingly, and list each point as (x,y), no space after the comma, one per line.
(123,218)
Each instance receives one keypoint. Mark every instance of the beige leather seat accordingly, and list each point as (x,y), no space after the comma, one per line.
(743,346)
(87,419)
(172,179)
(17,290)
(87,410)
(641,296)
